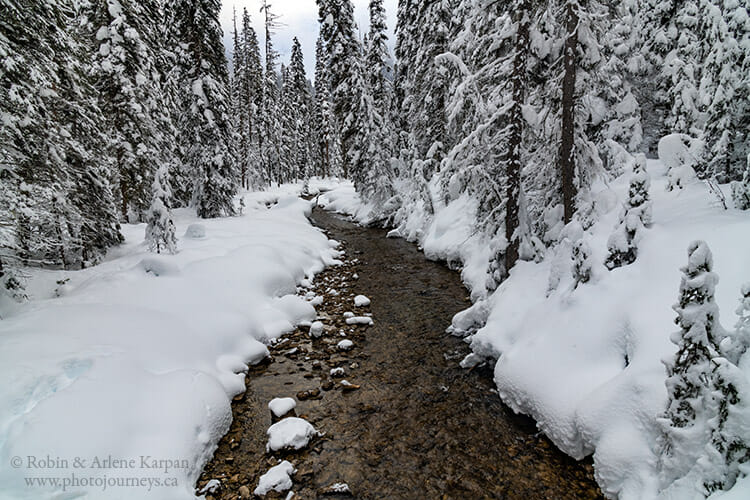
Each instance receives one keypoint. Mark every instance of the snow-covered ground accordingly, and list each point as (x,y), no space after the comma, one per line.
(116,382)
(585,362)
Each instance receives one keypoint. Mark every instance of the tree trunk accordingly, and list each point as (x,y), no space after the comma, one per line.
(513,169)
(567,139)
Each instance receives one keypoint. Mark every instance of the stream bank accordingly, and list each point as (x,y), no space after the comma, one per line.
(416,425)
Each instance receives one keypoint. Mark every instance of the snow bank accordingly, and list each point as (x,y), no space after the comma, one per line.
(585,361)
(136,363)
(282,406)
(277,479)
(290,433)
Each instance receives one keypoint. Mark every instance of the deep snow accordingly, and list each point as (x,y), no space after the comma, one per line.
(141,355)
(585,362)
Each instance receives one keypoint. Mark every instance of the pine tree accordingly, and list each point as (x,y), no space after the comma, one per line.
(250,89)
(741,190)
(689,382)
(361,127)
(327,151)
(729,445)
(270,141)
(683,72)
(205,127)
(724,89)
(582,262)
(300,111)
(56,208)
(377,64)
(129,91)
(160,228)
(635,216)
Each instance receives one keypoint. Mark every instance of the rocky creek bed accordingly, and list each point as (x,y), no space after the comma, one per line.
(412,424)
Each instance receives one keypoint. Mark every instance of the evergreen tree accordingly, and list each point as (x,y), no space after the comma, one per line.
(327,151)
(56,208)
(741,190)
(270,142)
(377,64)
(205,127)
(582,262)
(635,216)
(361,127)
(250,89)
(724,89)
(301,109)
(129,90)
(683,72)
(689,382)
(160,228)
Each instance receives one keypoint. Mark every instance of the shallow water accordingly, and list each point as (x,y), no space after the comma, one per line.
(419,426)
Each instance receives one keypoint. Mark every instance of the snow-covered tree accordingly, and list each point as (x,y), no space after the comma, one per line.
(205,127)
(362,130)
(741,189)
(299,110)
(327,153)
(635,216)
(689,375)
(125,43)
(160,228)
(729,446)
(724,88)
(270,141)
(377,62)
(56,207)
(582,262)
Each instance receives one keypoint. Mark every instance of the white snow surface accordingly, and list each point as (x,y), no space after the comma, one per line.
(361,301)
(290,433)
(141,355)
(316,329)
(345,345)
(585,362)
(282,406)
(359,320)
(277,479)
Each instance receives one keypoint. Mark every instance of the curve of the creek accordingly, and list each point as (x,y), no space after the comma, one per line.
(413,425)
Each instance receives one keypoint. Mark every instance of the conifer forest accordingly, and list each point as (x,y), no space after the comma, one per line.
(185,205)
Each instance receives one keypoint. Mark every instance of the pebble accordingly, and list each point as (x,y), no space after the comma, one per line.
(244,492)
(309,394)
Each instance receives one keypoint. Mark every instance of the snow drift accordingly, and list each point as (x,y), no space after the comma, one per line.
(138,359)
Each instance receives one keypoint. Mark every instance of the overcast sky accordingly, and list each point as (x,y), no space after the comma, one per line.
(300,19)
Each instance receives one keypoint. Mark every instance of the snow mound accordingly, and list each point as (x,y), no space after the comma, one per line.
(345,345)
(316,329)
(277,479)
(281,406)
(195,232)
(104,355)
(159,266)
(359,320)
(290,433)
(361,301)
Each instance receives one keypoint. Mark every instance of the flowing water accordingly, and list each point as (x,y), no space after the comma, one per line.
(418,426)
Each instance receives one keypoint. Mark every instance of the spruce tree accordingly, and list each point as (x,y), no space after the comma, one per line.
(326,153)
(635,216)
(129,90)
(160,228)
(205,127)
(56,209)
(724,89)
(270,141)
(362,130)
(689,374)
(741,189)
